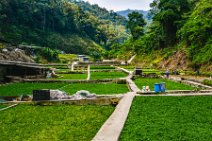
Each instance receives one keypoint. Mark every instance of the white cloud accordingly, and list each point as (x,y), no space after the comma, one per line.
(117,5)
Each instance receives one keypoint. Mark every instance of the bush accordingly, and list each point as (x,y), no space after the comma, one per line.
(207,82)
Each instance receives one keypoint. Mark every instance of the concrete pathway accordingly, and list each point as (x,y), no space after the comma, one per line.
(189,82)
(124,70)
(132,85)
(187,94)
(8,107)
(111,129)
(89,72)
(72,65)
(131,59)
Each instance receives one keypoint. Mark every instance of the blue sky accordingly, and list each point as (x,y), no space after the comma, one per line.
(117,5)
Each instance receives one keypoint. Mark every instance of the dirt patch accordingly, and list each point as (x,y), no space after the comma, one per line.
(15,55)
(177,61)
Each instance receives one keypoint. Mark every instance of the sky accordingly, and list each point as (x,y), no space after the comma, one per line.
(117,5)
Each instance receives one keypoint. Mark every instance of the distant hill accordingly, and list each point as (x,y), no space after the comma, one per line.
(101,13)
(125,13)
(66,25)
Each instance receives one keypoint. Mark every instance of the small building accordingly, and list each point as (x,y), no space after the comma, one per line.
(21,69)
(83,58)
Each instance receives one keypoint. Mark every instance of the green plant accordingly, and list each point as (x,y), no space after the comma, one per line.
(170,85)
(64,122)
(207,82)
(105,75)
(169,118)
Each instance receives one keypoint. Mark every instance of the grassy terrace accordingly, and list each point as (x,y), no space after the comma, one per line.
(33,123)
(71,76)
(170,85)
(102,68)
(110,88)
(2,106)
(16,89)
(169,118)
(105,75)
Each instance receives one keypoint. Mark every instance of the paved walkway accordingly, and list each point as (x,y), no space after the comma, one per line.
(189,82)
(112,128)
(187,94)
(8,107)
(131,59)
(89,72)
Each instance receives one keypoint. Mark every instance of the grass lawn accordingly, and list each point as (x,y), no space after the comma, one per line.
(170,85)
(52,123)
(2,106)
(62,70)
(71,76)
(15,89)
(105,75)
(169,119)
(110,88)
(102,68)
(129,68)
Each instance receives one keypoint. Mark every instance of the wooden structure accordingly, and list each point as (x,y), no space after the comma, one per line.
(21,69)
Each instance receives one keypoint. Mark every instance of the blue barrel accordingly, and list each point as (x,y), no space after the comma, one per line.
(163,87)
(157,87)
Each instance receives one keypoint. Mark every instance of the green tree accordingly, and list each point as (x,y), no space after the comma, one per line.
(136,24)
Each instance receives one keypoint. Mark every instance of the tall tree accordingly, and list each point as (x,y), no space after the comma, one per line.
(136,24)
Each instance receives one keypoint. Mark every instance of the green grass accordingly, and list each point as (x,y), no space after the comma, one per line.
(207,82)
(104,75)
(16,89)
(2,106)
(169,119)
(170,85)
(102,67)
(65,58)
(71,76)
(52,123)
(110,88)
(62,70)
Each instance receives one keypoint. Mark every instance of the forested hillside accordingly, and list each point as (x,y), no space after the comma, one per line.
(146,14)
(179,28)
(58,24)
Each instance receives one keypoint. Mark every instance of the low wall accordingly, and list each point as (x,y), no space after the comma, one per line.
(100,100)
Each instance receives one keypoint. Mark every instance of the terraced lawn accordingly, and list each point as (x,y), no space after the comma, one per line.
(109,88)
(52,123)
(105,75)
(71,77)
(2,106)
(169,119)
(170,85)
(16,89)
(102,68)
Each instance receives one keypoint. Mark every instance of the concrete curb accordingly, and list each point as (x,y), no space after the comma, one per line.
(8,107)
(187,94)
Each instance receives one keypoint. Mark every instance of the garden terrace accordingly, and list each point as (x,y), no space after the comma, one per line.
(169,118)
(75,76)
(26,122)
(16,89)
(107,75)
(102,68)
(170,85)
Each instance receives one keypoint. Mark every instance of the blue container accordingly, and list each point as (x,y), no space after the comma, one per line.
(157,87)
(163,87)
